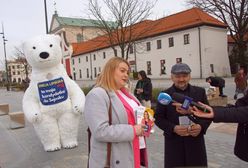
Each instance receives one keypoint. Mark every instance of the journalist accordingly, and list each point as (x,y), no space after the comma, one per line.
(235,114)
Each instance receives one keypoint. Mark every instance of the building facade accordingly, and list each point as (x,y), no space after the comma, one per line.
(17,72)
(73,30)
(191,36)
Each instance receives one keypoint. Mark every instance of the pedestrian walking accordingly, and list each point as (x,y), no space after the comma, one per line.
(240,82)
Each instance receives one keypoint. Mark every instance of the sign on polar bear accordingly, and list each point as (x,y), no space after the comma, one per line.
(53,102)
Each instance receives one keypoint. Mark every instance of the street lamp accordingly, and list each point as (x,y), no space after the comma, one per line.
(6,63)
(46,16)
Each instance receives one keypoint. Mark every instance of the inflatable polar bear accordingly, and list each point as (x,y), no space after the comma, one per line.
(53,102)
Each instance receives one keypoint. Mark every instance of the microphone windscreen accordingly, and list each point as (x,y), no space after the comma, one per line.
(164,98)
(178,97)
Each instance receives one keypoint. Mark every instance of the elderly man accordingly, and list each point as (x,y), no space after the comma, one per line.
(184,143)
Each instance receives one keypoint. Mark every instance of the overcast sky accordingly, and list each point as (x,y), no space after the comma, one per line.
(24,19)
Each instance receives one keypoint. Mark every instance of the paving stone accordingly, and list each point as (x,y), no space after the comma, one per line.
(22,149)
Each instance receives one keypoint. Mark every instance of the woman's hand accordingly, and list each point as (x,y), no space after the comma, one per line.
(180,110)
(139,129)
(203,114)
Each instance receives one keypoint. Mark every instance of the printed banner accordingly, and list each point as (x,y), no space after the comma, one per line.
(52,92)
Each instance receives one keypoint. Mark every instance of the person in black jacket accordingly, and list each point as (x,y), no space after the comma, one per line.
(217,82)
(235,114)
(184,143)
(143,89)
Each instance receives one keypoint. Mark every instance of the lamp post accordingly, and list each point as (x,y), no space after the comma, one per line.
(46,16)
(6,63)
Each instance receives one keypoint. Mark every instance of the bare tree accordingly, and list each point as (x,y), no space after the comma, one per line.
(125,14)
(19,56)
(234,13)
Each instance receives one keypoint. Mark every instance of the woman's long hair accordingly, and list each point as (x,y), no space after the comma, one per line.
(106,77)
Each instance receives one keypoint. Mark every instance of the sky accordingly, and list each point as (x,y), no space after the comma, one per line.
(24,19)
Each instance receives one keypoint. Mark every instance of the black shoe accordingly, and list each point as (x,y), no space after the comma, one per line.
(235,97)
(223,95)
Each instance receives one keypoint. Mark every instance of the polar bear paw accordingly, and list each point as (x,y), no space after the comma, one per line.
(35,118)
(52,148)
(70,145)
(77,110)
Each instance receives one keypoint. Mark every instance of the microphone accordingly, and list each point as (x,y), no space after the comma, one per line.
(188,101)
(164,98)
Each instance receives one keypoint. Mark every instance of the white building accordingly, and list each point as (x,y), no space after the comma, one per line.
(191,36)
(17,72)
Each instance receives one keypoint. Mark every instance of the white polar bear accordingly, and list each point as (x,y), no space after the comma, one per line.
(53,102)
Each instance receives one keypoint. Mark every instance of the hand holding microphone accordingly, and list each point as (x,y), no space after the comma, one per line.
(199,113)
(188,102)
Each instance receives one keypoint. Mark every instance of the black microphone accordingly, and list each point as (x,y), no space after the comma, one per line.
(187,101)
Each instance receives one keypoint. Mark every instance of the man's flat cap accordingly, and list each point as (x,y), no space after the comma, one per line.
(180,68)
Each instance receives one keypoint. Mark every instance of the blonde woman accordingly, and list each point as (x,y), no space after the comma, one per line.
(123,133)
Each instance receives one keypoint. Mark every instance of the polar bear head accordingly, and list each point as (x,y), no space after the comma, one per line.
(43,51)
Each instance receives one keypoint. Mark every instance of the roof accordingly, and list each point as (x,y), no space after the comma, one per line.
(79,22)
(183,20)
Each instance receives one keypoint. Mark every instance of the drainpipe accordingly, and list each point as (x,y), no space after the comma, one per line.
(91,73)
(200,55)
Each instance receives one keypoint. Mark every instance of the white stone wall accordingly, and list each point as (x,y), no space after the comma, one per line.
(215,51)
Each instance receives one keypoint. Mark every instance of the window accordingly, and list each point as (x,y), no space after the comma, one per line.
(87,73)
(149,69)
(79,60)
(104,55)
(162,67)
(94,56)
(95,72)
(80,73)
(159,44)
(18,72)
(148,46)
(18,66)
(99,69)
(13,72)
(186,38)
(86,58)
(171,42)
(79,38)
(13,67)
(74,76)
(212,68)
(73,62)
(178,60)
(131,49)
(115,52)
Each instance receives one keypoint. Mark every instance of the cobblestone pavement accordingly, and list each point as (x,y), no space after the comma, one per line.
(21,148)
